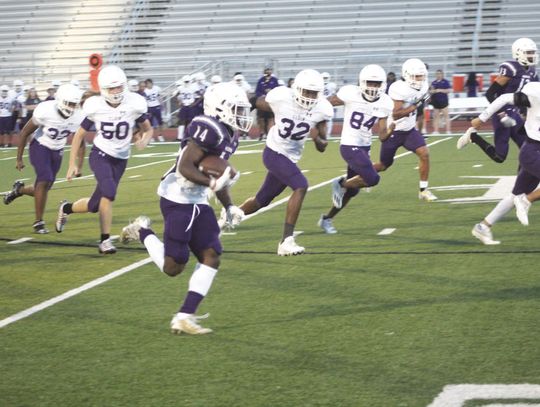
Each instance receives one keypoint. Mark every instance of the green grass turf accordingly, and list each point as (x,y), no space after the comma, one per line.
(360,320)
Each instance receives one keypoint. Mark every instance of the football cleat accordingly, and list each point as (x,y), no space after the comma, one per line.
(188,324)
(289,247)
(130,232)
(427,195)
(230,218)
(466,138)
(522,205)
(483,233)
(14,193)
(61,217)
(338,192)
(107,247)
(326,225)
(39,227)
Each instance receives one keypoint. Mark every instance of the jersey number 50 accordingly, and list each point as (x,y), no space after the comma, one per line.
(289,126)
(110,130)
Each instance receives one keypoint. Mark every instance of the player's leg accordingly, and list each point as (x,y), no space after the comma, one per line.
(447,120)
(416,143)
(388,151)
(436,120)
(527,181)
(80,158)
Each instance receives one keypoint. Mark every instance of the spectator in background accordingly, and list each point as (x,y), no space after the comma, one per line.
(7,103)
(30,104)
(390,79)
(265,119)
(440,88)
(153,99)
(51,92)
(142,87)
(472,85)
(290,82)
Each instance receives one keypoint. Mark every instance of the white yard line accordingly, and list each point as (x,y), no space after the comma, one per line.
(21,240)
(386,231)
(71,293)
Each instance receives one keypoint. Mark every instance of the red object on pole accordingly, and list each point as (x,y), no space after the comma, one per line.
(480,81)
(96,61)
(458,82)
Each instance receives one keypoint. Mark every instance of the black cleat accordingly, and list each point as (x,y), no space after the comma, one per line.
(14,193)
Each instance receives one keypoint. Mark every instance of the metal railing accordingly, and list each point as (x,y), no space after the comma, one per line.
(128,32)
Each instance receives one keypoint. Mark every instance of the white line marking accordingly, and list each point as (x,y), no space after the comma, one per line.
(386,231)
(478,165)
(46,304)
(247,172)
(135,176)
(72,293)
(304,171)
(227,233)
(21,240)
(297,233)
(456,395)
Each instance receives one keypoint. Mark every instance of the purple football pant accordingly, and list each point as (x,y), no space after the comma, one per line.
(410,139)
(529,174)
(185,115)
(46,162)
(108,171)
(504,134)
(188,226)
(282,173)
(359,163)
(5,125)
(155,116)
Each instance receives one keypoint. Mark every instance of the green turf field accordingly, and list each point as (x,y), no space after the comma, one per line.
(359,320)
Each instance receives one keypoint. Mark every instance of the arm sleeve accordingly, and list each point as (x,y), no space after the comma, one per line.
(498,104)
(494,91)
(521,100)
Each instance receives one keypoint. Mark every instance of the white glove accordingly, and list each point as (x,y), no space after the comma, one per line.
(217,184)
(235,215)
(234,179)
(507,121)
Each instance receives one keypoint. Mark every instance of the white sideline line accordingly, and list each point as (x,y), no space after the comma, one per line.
(68,294)
(71,293)
(386,231)
(21,240)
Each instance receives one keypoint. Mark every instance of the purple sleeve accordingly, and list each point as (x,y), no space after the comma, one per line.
(204,133)
(87,124)
(259,91)
(142,118)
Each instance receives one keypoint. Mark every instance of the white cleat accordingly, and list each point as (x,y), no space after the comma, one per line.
(522,205)
(130,232)
(289,247)
(483,233)
(61,218)
(230,219)
(466,138)
(338,192)
(107,247)
(188,324)
(427,195)
(326,225)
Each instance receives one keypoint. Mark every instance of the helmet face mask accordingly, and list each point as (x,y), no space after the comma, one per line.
(414,72)
(67,99)
(525,52)
(372,80)
(307,88)
(230,105)
(112,84)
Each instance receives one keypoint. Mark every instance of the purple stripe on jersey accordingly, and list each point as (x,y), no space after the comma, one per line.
(142,118)
(87,124)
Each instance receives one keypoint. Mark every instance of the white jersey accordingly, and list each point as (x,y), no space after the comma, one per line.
(293,123)
(329,89)
(400,90)
(152,96)
(360,115)
(20,101)
(185,95)
(114,125)
(6,106)
(176,188)
(53,128)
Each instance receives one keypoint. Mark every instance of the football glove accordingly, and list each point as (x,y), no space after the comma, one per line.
(217,184)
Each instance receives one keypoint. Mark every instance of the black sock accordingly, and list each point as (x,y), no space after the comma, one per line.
(105,236)
(288,230)
(68,208)
(486,147)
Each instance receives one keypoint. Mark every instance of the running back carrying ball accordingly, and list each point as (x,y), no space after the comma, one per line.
(214,166)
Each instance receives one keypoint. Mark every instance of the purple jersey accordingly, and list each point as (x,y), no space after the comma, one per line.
(440,98)
(519,76)
(265,84)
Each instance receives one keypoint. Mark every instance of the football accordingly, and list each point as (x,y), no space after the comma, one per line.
(213,166)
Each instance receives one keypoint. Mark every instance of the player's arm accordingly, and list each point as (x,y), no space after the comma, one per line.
(73,154)
(318,135)
(400,111)
(189,168)
(145,134)
(519,99)
(497,87)
(29,128)
(335,101)
(384,131)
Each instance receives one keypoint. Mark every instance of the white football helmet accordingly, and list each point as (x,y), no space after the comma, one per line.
(199,76)
(186,80)
(414,72)
(133,85)
(4,90)
(112,77)
(238,79)
(67,99)
(372,73)
(56,84)
(525,52)
(326,77)
(17,85)
(307,80)
(75,82)
(215,79)
(229,104)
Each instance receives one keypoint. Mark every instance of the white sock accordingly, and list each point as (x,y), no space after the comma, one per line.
(156,250)
(180,132)
(424,184)
(201,279)
(502,208)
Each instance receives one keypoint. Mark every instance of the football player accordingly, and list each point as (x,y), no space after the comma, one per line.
(298,110)
(407,95)
(52,122)
(153,98)
(523,193)
(365,105)
(190,223)
(114,114)
(186,99)
(507,123)
(7,104)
